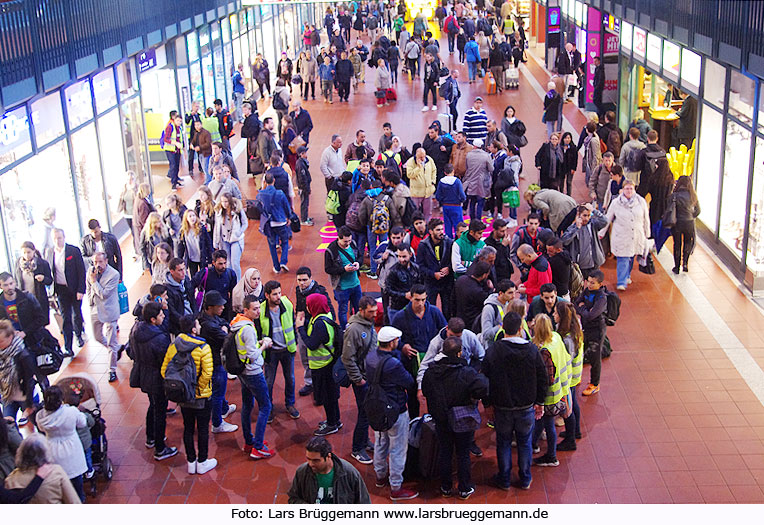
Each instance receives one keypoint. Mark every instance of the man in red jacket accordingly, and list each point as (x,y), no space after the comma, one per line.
(540,271)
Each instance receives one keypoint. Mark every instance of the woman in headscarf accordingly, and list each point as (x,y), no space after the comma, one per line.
(319,335)
(250,284)
(549,162)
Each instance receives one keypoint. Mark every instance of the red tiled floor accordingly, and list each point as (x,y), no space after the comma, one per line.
(674,422)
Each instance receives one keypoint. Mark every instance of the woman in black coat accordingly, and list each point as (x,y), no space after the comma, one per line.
(549,162)
(569,163)
(32,269)
(661,187)
(683,232)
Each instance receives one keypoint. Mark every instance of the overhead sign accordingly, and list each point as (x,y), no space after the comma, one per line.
(147,60)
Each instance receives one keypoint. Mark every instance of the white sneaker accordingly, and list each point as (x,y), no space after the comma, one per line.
(425,109)
(620,287)
(231,410)
(434,107)
(498,216)
(512,222)
(628,281)
(225,426)
(192,467)
(205,466)
(232,377)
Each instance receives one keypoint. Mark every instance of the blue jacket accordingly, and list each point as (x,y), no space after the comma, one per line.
(275,204)
(395,380)
(450,191)
(419,332)
(429,264)
(326,72)
(469,28)
(238,84)
(472,52)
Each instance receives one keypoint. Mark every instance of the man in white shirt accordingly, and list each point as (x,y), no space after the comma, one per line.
(332,163)
(68,270)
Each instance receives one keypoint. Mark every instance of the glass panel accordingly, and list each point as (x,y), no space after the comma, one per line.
(742,95)
(104,91)
(709,161)
(225,29)
(269,51)
(15,141)
(209,80)
(220,76)
(671,54)
(626,35)
(127,79)
(159,99)
(181,59)
(113,156)
(234,22)
(25,199)
(735,187)
(716,79)
(653,53)
(90,194)
(135,141)
(192,44)
(79,103)
(755,257)
(690,71)
(215,33)
(48,119)
(761,109)
(197,93)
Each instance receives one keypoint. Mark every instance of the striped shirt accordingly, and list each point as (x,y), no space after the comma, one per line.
(475,125)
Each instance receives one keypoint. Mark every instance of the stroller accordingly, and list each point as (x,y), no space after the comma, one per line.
(87,390)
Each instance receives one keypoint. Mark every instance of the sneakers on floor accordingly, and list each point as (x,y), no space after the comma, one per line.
(467,493)
(112,377)
(362,457)
(446,493)
(496,482)
(546,461)
(425,108)
(306,390)
(231,410)
(191,467)
(293,412)
(476,450)
(590,390)
(202,467)
(261,453)
(536,449)
(381,482)
(566,445)
(224,427)
(403,494)
(325,430)
(620,287)
(434,107)
(168,452)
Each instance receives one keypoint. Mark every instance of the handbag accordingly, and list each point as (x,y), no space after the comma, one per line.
(124,301)
(256,165)
(340,374)
(649,266)
(511,197)
(522,141)
(558,409)
(464,418)
(380,93)
(294,223)
(669,216)
(296,79)
(202,287)
(296,143)
(46,351)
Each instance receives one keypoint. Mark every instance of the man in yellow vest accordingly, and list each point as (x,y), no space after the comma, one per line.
(319,336)
(494,309)
(277,323)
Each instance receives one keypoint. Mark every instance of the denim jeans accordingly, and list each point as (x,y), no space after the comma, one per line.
(623,269)
(361,430)
(452,215)
(472,70)
(219,405)
(546,423)
(234,251)
(448,440)
(156,420)
(278,235)
(392,445)
(551,125)
(353,295)
(173,158)
(79,487)
(375,239)
(476,207)
(286,358)
(573,421)
(451,40)
(361,239)
(254,388)
(519,422)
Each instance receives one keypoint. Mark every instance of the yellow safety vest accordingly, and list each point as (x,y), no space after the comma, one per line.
(287,325)
(561,359)
(577,366)
(321,356)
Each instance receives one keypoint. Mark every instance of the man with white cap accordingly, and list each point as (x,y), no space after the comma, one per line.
(397,383)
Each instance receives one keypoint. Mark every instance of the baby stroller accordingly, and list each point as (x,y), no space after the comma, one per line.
(89,395)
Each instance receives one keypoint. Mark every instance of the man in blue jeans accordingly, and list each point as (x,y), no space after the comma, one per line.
(172,144)
(274,225)
(360,337)
(517,384)
(341,263)
(253,384)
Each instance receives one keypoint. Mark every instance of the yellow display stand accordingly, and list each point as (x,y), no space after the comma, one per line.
(682,162)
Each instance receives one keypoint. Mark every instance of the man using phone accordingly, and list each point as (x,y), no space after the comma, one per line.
(102,281)
(341,263)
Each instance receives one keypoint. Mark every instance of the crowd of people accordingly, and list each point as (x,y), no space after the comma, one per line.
(479,310)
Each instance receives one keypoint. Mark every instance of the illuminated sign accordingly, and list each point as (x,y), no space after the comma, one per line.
(147,60)
(13,129)
(640,42)
(553,20)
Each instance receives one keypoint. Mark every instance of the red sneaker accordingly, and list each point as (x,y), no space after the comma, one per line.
(262,453)
(402,494)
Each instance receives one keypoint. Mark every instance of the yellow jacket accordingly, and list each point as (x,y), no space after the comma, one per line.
(202,356)
(422,179)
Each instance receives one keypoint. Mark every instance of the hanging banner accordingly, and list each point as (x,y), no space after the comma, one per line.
(592,50)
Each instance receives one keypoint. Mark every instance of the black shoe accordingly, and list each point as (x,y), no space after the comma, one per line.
(475,450)
(306,390)
(112,377)
(119,352)
(446,493)
(168,452)
(68,352)
(684,268)
(80,341)
(325,430)
(564,434)
(566,445)
(675,269)
(522,486)
(467,493)
(546,461)
(171,411)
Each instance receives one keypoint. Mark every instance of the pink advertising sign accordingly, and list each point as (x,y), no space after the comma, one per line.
(592,50)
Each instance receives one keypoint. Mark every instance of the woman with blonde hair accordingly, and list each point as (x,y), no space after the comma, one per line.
(142,207)
(557,363)
(205,209)
(194,243)
(153,233)
(160,263)
(569,328)
(520,307)
(230,225)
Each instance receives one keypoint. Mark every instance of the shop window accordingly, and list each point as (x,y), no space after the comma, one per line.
(90,194)
(79,103)
(104,91)
(742,96)
(48,119)
(192,44)
(226,29)
(735,187)
(112,152)
(134,139)
(15,141)
(709,163)
(41,182)
(195,73)
(127,78)
(755,256)
(159,98)
(220,75)
(716,80)
(209,80)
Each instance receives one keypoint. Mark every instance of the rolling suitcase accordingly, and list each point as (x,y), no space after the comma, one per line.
(391,95)
(512,78)
(446,121)
(490,84)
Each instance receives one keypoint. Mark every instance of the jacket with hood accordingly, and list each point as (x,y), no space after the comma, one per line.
(149,345)
(630,221)
(399,282)
(367,209)
(31,317)
(334,264)
(214,334)
(430,264)
(517,377)
(64,445)
(39,290)
(432,147)
(491,318)
(572,240)
(473,351)
(540,273)
(247,346)
(554,205)
(458,158)
(449,382)
(477,176)
(421,178)
(599,181)
(202,356)
(560,264)
(205,248)
(395,378)
(503,264)
(591,306)
(348,487)
(400,195)
(223,282)
(450,191)
(177,295)
(360,337)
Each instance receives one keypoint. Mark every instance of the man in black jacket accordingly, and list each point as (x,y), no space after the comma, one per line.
(599,85)
(22,310)
(591,306)
(305,287)
(560,262)
(190,119)
(301,121)
(68,270)
(302,168)
(431,78)
(471,292)
(100,241)
(517,382)
(438,148)
(499,241)
(434,259)
(344,74)
(401,277)
(218,277)
(214,331)
(250,130)
(449,382)
(180,294)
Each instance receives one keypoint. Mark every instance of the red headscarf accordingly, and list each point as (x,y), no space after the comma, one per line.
(317,304)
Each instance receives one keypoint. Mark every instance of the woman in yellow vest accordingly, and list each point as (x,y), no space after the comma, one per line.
(319,334)
(569,328)
(557,362)
(520,307)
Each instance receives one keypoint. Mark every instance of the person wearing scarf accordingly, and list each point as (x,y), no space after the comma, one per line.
(17,371)
(250,284)
(552,103)
(549,162)
(319,333)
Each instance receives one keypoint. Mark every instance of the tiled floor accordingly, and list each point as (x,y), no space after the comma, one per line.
(674,422)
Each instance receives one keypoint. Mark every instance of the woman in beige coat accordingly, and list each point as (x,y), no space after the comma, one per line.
(31,459)
(630,219)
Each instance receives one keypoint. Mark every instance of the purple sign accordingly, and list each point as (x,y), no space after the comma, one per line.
(147,60)
(592,50)
(553,20)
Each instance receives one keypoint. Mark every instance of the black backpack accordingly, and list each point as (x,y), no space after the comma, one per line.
(477,325)
(381,412)
(613,310)
(409,209)
(279,104)
(391,164)
(180,378)
(47,353)
(232,360)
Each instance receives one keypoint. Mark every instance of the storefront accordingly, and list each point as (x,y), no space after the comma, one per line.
(658,77)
